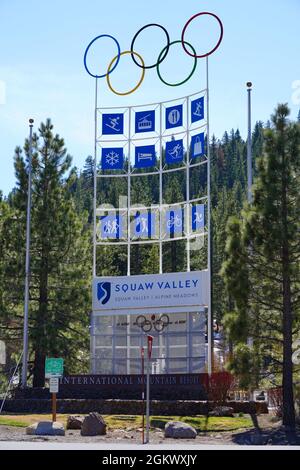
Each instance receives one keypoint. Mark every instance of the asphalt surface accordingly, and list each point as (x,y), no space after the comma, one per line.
(14,445)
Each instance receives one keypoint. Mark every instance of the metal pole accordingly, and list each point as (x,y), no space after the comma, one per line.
(209,312)
(143,394)
(92,331)
(27,266)
(148,398)
(149,352)
(249,146)
(249,166)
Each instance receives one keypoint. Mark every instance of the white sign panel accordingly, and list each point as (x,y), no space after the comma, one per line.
(53,383)
(171,292)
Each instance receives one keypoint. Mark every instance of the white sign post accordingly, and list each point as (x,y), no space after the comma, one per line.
(54,384)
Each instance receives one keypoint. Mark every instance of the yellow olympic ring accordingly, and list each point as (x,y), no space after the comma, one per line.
(109,70)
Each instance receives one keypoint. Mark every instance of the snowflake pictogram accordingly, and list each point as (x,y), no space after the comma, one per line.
(112,158)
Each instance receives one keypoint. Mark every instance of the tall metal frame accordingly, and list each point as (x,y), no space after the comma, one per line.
(187,166)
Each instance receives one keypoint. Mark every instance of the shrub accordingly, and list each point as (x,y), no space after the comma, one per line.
(218,386)
(276,400)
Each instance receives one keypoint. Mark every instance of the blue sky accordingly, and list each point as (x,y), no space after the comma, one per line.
(42,73)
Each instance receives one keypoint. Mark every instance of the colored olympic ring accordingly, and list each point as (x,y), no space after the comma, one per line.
(185,28)
(166,48)
(163,54)
(109,71)
(186,79)
(87,49)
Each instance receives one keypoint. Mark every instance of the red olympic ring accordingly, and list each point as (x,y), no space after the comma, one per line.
(185,28)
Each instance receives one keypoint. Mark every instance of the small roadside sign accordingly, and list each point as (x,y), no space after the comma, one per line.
(54,367)
(54,384)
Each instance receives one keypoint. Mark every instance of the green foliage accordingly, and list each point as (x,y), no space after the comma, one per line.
(60,257)
(261,270)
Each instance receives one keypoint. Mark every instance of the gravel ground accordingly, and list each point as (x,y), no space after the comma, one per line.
(11,433)
(269,433)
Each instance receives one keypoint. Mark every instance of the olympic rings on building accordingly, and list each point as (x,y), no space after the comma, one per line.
(110,70)
(186,79)
(87,49)
(162,56)
(186,26)
(166,49)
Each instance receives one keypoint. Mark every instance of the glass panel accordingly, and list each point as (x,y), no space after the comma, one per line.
(198,322)
(178,351)
(177,366)
(121,352)
(121,324)
(103,325)
(120,366)
(135,366)
(103,341)
(103,366)
(121,340)
(197,365)
(103,352)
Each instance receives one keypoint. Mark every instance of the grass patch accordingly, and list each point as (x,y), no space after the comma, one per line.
(204,424)
(123,422)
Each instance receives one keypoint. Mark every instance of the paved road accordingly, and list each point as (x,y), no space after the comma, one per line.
(14,445)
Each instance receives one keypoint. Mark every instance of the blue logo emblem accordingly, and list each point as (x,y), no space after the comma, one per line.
(197,109)
(198,145)
(144,225)
(174,151)
(111,226)
(145,121)
(112,159)
(198,220)
(174,116)
(174,221)
(112,124)
(145,156)
(103,292)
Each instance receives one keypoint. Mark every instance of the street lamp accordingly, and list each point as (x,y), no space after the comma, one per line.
(27,266)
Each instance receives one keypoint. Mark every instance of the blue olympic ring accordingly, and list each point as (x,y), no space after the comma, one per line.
(87,49)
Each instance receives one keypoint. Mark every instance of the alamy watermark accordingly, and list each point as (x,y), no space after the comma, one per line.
(180,221)
(296,92)
(2,92)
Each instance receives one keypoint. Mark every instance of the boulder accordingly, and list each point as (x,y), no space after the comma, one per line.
(46,428)
(179,430)
(74,422)
(222,411)
(93,425)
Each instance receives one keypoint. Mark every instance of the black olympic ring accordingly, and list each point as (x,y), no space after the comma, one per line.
(158,324)
(160,59)
(163,53)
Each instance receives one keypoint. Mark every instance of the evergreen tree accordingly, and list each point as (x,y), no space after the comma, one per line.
(262,270)
(60,255)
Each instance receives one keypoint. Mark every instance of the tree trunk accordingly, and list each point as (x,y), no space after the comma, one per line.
(287,375)
(39,369)
(288,412)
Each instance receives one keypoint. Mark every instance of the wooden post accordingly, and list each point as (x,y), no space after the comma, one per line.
(53,407)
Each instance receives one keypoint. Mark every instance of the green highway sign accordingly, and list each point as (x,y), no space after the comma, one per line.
(54,367)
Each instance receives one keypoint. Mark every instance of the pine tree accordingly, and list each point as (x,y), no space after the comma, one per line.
(262,270)
(60,256)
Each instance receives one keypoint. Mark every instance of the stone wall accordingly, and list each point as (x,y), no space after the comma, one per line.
(126,407)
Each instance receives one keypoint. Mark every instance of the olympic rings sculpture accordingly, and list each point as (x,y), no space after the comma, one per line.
(162,56)
(159,324)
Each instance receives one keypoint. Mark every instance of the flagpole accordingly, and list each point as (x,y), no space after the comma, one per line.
(209,315)
(249,146)
(27,263)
